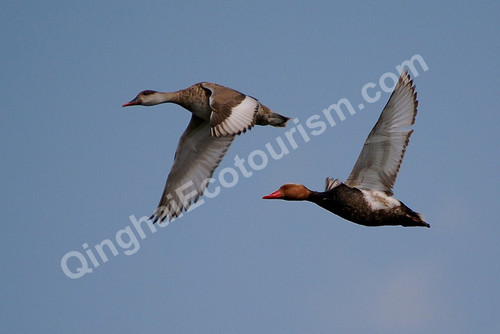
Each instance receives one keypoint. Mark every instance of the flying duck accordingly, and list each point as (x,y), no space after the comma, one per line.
(366,197)
(218,114)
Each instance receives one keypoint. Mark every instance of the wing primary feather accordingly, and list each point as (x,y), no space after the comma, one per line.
(380,159)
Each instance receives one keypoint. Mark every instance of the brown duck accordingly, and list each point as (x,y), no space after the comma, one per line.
(218,114)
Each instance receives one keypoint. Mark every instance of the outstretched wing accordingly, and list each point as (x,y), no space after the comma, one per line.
(378,164)
(232,111)
(198,155)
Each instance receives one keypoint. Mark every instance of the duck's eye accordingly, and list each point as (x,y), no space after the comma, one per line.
(147,92)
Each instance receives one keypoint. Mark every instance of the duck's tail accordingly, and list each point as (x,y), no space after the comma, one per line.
(266,116)
(417,219)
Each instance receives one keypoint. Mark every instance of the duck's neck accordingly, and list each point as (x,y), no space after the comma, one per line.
(165,97)
(314,196)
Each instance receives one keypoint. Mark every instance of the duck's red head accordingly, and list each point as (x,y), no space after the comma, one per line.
(290,192)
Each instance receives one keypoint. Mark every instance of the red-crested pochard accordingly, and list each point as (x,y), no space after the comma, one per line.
(366,196)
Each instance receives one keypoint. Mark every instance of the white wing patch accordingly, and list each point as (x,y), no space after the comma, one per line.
(378,200)
(242,118)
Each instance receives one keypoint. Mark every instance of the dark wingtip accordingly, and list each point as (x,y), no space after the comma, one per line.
(154,217)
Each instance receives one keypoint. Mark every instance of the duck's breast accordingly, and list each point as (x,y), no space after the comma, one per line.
(196,100)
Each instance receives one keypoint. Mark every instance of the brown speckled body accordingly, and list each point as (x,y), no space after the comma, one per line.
(196,100)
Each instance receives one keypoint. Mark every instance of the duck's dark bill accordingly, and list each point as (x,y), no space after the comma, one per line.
(276,194)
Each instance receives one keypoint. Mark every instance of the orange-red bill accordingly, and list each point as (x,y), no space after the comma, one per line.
(134,102)
(276,194)
(131,103)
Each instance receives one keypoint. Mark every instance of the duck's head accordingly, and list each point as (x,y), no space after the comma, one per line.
(146,98)
(290,192)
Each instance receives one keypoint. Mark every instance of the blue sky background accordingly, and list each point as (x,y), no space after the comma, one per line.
(76,165)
